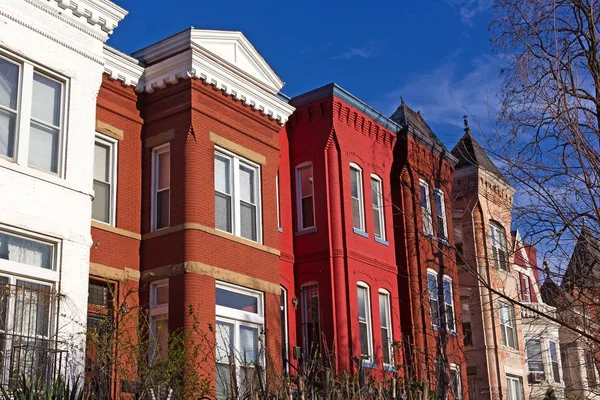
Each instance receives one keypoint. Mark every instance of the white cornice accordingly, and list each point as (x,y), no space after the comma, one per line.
(121,67)
(225,60)
(101,14)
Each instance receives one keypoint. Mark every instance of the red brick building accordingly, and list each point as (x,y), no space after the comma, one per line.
(311,231)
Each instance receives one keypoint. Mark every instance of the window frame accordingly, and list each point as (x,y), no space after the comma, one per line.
(285,348)
(509,324)
(368,322)
(499,246)
(434,296)
(556,373)
(15,268)
(519,380)
(448,279)
(378,210)
(156,152)
(113,148)
(236,162)
(456,393)
(426,216)
(361,198)
(536,359)
(443,233)
(299,198)
(390,334)
(24,118)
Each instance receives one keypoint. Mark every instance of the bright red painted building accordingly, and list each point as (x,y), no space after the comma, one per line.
(318,229)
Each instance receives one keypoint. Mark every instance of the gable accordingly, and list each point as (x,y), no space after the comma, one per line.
(238,53)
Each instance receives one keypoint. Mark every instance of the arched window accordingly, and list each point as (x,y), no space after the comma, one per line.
(499,248)
(378,214)
(364,322)
(358,201)
(385,318)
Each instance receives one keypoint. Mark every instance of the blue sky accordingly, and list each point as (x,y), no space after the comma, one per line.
(433,53)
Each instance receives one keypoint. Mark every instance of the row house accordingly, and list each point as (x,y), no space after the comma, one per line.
(493,326)
(51,65)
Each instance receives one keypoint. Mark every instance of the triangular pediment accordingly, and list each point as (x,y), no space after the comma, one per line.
(238,52)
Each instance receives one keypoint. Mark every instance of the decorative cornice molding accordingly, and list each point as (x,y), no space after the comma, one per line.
(121,67)
(51,37)
(103,15)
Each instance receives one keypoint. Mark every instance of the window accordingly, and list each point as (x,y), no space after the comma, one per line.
(434,304)
(465,306)
(554,361)
(450,321)
(284,330)
(239,328)
(364,322)
(309,317)
(535,362)
(440,212)
(100,324)
(473,385)
(385,321)
(507,325)
(305,197)
(590,370)
(105,177)
(526,289)
(31,115)
(19,250)
(159,319)
(237,196)
(455,382)
(499,249)
(277,198)
(425,208)
(378,213)
(514,388)
(356,192)
(161,187)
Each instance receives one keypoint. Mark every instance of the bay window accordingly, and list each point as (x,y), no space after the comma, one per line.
(237,195)
(239,329)
(31,115)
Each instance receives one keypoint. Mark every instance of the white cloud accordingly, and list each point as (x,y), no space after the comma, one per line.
(469,9)
(365,51)
(444,94)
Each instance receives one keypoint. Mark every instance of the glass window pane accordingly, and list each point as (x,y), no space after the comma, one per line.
(247,184)
(236,300)
(43,147)
(385,345)
(354,178)
(9,81)
(162,209)
(308,217)
(26,251)
(356,213)
(432,285)
(248,345)
(164,172)
(32,309)
(222,174)
(223,381)
(225,341)
(306,181)
(7,133)
(45,105)
(377,223)
(162,294)
(375,192)
(362,304)
(248,221)
(101,202)
(101,162)
(384,303)
(424,196)
(223,212)
(162,336)
(364,340)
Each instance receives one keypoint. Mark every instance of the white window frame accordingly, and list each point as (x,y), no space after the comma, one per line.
(434,295)
(155,172)
(236,223)
(426,216)
(25,270)
(113,148)
(510,394)
(526,289)
(552,362)
(449,302)
(240,318)
(299,197)
(498,243)
(443,230)
(539,357)
(378,211)
(456,368)
(389,340)
(286,334)
(369,323)
(508,325)
(24,118)
(360,224)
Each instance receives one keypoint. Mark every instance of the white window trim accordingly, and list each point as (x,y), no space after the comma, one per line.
(236,224)
(444,232)
(24,117)
(381,211)
(426,211)
(156,151)
(558,360)
(286,338)
(388,317)
(448,279)
(456,368)
(299,203)
(369,321)
(113,146)
(511,323)
(361,197)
